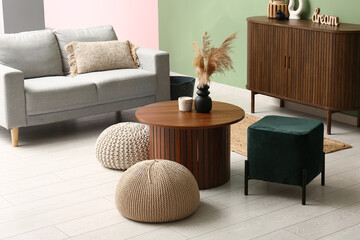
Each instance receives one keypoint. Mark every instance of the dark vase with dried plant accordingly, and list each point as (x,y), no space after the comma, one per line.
(209,60)
(203,102)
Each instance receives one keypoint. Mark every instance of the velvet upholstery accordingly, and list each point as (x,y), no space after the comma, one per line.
(279,148)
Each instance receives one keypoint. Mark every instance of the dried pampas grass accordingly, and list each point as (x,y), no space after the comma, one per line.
(209,60)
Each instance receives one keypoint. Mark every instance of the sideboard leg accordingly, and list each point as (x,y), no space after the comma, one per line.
(282,103)
(252,102)
(358,119)
(329,122)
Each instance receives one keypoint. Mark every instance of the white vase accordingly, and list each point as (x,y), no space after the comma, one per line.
(295,14)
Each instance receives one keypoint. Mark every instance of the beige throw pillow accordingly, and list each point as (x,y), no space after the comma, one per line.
(87,57)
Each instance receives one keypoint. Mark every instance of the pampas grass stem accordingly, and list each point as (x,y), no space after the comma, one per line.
(209,60)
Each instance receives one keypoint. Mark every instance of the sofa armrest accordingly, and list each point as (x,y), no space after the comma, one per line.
(157,62)
(12,98)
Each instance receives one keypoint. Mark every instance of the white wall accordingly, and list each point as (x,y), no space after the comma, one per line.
(22,15)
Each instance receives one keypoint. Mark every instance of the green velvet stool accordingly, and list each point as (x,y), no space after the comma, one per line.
(285,150)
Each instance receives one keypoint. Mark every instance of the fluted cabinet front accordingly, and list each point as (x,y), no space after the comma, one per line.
(205,152)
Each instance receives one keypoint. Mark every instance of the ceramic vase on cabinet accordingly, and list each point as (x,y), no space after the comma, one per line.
(276,5)
(295,14)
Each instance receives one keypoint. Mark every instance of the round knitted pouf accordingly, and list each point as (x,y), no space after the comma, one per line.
(122,145)
(157,191)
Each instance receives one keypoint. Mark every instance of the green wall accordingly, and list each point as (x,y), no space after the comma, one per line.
(183,21)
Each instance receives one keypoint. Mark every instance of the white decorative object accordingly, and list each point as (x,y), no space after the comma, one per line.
(122,145)
(295,14)
(324,19)
(185,104)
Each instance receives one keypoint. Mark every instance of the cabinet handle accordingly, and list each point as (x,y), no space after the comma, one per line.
(285,62)
(289,62)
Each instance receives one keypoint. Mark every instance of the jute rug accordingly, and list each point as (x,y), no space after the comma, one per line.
(239,137)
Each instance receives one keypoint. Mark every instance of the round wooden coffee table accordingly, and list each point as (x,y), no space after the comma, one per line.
(199,141)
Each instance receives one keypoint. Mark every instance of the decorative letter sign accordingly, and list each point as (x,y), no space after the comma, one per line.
(324,19)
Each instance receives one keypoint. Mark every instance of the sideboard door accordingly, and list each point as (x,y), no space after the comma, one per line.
(267,59)
(310,67)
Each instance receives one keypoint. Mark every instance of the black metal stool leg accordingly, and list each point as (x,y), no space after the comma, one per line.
(246,182)
(304,178)
(323,173)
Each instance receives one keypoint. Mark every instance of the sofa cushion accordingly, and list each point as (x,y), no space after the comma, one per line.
(52,94)
(87,57)
(95,34)
(34,53)
(121,84)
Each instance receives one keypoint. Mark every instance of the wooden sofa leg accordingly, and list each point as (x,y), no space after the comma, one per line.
(15,137)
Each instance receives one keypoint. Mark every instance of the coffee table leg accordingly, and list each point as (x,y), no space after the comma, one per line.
(205,152)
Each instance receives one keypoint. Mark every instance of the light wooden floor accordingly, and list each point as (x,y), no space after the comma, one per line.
(52,187)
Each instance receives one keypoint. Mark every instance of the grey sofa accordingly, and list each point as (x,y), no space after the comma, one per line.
(35,88)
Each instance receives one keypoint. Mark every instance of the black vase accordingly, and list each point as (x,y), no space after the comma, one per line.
(203,103)
(280,15)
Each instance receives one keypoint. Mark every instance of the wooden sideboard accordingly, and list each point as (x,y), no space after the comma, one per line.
(304,62)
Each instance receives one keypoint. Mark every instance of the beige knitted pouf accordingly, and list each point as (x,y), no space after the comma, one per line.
(122,145)
(157,191)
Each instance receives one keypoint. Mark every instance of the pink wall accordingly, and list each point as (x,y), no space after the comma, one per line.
(133,20)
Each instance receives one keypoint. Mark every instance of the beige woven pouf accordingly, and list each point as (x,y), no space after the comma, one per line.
(122,145)
(157,191)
